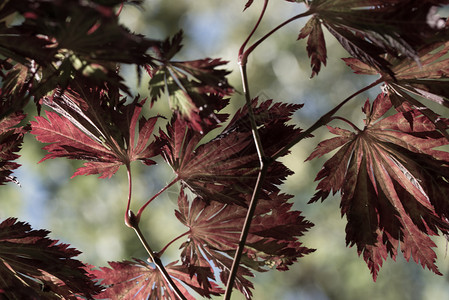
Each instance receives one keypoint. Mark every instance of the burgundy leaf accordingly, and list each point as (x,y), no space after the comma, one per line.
(11,137)
(104,136)
(316,45)
(393,184)
(214,231)
(413,80)
(370,29)
(196,88)
(34,267)
(139,280)
(225,169)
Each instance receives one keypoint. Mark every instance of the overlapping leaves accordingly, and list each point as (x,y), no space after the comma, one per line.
(11,137)
(370,29)
(139,280)
(413,80)
(62,40)
(91,127)
(195,88)
(393,182)
(34,267)
(214,231)
(225,169)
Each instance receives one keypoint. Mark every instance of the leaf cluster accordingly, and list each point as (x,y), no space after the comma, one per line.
(66,56)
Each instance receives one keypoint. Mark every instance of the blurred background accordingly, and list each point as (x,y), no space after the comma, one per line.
(87,212)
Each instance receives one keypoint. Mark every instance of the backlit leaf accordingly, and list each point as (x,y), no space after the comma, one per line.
(140,280)
(393,184)
(214,231)
(11,137)
(34,267)
(195,88)
(316,45)
(225,168)
(105,136)
(369,29)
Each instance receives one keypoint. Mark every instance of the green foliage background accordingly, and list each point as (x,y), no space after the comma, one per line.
(88,212)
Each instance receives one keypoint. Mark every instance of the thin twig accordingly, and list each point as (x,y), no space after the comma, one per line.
(242,48)
(172,241)
(252,119)
(132,221)
(321,121)
(157,261)
(244,57)
(139,213)
(245,231)
(264,161)
(347,122)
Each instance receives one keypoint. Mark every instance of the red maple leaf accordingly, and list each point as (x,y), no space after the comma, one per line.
(225,169)
(316,45)
(11,137)
(424,78)
(102,135)
(370,29)
(214,231)
(393,183)
(139,280)
(196,88)
(34,267)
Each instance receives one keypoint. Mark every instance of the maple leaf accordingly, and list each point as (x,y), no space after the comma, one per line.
(226,168)
(196,88)
(89,30)
(214,231)
(59,42)
(139,280)
(32,266)
(11,138)
(412,80)
(393,183)
(104,135)
(316,45)
(370,29)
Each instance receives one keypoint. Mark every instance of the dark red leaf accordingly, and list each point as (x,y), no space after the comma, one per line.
(34,267)
(412,80)
(370,29)
(225,169)
(393,184)
(11,137)
(196,88)
(102,135)
(139,280)
(316,45)
(214,231)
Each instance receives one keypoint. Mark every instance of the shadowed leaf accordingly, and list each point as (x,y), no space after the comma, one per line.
(393,184)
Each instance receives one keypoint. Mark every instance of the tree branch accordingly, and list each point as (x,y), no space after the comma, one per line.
(245,231)
(154,257)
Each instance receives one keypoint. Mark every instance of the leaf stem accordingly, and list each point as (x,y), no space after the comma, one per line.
(132,221)
(243,57)
(245,231)
(172,241)
(128,205)
(325,119)
(255,132)
(347,122)
(139,213)
(155,258)
(242,48)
